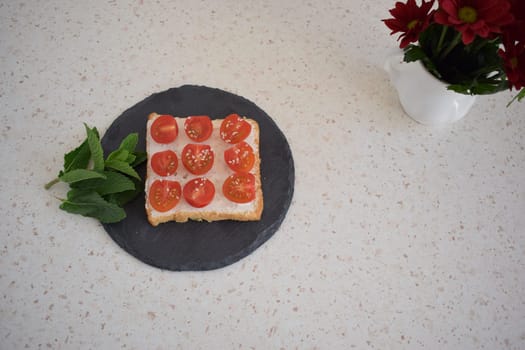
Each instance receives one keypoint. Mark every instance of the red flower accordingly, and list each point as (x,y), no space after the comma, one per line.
(410,20)
(517,9)
(515,31)
(514,58)
(474,17)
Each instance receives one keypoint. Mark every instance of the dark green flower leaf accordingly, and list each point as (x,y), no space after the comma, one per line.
(518,97)
(459,89)
(521,95)
(414,53)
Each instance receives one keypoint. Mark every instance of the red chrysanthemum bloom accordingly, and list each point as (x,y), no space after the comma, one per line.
(517,9)
(410,20)
(474,17)
(515,31)
(514,59)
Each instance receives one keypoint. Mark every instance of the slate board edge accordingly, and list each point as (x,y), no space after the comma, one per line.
(231,259)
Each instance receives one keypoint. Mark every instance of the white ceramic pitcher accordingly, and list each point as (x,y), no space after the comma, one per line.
(423,97)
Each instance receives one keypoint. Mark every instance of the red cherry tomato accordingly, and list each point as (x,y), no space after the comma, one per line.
(239,187)
(240,157)
(199,192)
(164,163)
(198,128)
(234,129)
(164,129)
(197,158)
(164,194)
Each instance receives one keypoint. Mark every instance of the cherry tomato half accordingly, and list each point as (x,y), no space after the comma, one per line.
(198,127)
(164,129)
(197,158)
(198,192)
(164,163)
(234,129)
(164,194)
(239,187)
(240,157)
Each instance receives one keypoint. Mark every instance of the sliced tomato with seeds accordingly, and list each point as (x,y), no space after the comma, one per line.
(164,194)
(240,157)
(164,129)
(197,158)
(199,192)
(239,187)
(234,129)
(164,163)
(198,127)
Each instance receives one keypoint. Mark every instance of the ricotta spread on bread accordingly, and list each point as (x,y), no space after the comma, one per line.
(221,207)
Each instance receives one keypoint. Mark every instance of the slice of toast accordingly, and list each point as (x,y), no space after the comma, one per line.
(220,208)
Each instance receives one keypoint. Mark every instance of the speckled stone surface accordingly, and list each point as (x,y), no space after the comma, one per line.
(398,236)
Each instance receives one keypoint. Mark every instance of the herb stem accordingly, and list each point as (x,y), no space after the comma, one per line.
(51,183)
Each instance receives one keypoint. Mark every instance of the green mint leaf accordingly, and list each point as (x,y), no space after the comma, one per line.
(77,175)
(130,142)
(122,198)
(123,167)
(77,158)
(97,154)
(112,183)
(98,187)
(126,148)
(90,203)
(130,159)
(140,157)
(115,183)
(120,155)
(88,184)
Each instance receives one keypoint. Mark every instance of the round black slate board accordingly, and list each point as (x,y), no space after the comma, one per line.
(195,246)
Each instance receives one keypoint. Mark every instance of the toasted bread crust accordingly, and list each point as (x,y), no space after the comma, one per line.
(252,213)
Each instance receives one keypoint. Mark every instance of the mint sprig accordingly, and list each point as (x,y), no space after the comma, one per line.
(100,187)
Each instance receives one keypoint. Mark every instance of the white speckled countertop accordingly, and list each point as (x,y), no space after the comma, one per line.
(399,236)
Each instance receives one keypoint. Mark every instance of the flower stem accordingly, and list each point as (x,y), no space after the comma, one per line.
(441,38)
(476,47)
(452,45)
(518,97)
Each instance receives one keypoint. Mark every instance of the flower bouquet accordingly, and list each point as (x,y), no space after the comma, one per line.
(476,47)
